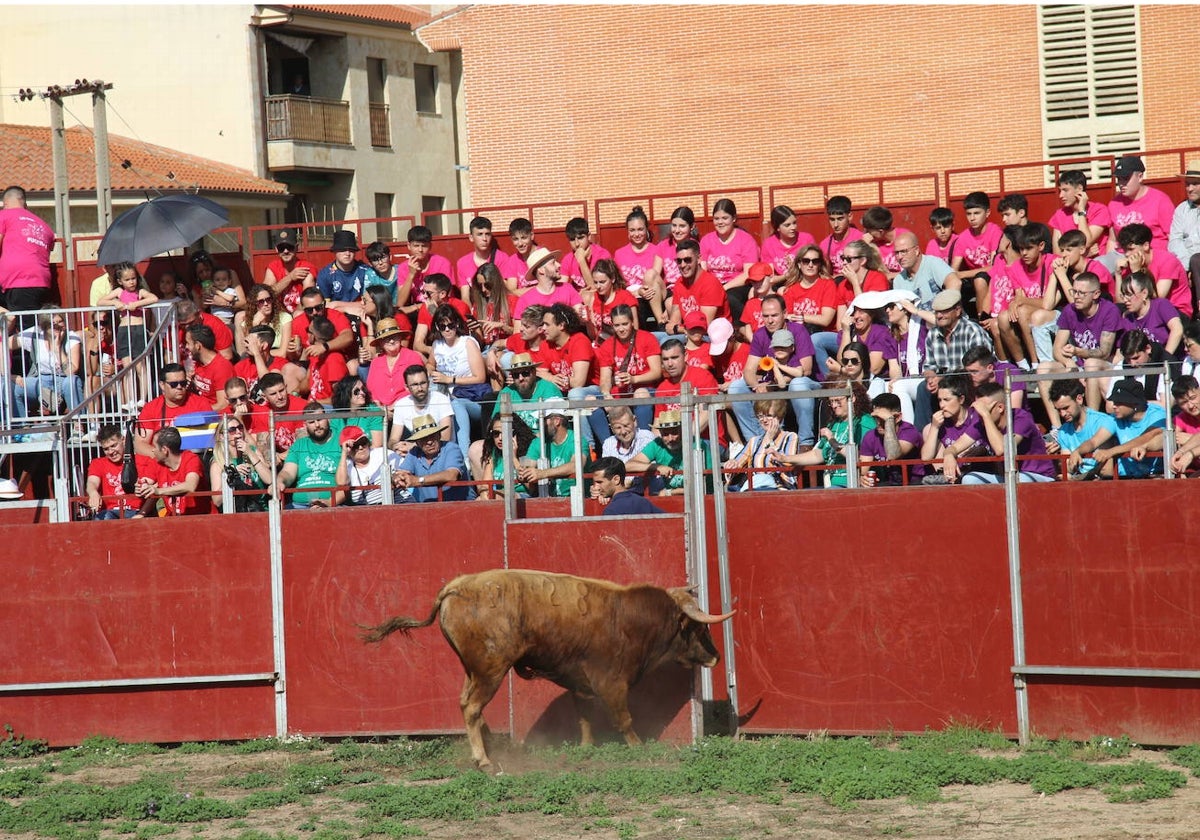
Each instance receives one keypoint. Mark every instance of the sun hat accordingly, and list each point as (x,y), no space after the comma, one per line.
(538,258)
(9,490)
(520,361)
(388,327)
(668,419)
(423,426)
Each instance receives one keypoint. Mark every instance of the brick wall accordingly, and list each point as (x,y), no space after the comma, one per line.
(1170,81)
(585,101)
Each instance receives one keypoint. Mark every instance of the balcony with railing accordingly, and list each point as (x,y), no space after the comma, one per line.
(309,119)
(381,132)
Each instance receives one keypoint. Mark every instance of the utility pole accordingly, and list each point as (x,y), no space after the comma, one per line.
(58,143)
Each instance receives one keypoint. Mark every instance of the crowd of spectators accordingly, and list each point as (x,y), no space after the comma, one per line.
(924,338)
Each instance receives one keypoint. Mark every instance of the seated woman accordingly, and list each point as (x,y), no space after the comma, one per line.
(492,461)
(1153,315)
(491,307)
(361,467)
(833,438)
(630,363)
(954,418)
(456,368)
(757,454)
(264,308)
(385,377)
(351,394)
(238,464)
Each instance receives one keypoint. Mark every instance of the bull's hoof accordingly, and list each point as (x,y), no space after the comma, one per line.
(489,767)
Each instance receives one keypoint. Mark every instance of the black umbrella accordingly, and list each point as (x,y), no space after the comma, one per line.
(159,225)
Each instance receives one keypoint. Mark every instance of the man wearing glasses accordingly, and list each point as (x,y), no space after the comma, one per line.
(420,400)
(313,303)
(921,274)
(289,274)
(695,290)
(1086,339)
(175,399)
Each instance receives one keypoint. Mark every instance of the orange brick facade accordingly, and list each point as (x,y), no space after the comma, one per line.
(571,102)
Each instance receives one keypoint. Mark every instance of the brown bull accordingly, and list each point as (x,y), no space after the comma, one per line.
(594,638)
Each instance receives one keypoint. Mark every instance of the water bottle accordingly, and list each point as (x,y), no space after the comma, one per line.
(545,489)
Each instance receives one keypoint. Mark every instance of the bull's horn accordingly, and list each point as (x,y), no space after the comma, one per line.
(696,614)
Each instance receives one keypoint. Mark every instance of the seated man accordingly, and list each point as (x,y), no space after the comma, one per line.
(175,476)
(174,400)
(551,456)
(662,460)
(608,488)
(257,361)
(430,464)
(1139,429)
(106,498)
(1086,337)
(1079,424)
(1186,392)
(892,439)
(989,405)
(311,462)
(212,369)
(982,366)
(421,399)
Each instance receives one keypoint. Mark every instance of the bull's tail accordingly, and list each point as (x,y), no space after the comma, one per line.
(403,623)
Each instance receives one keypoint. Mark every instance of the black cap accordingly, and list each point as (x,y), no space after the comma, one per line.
(1129,392)
(1127,165)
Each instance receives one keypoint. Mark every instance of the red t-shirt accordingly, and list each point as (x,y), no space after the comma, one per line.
(577,349)
(186,505)
(424,316)
(611,353)
(111,492)
(255,420)
(802,301)
(698,357)
(210,378)
(705,290)
(544,355)
(752,314)
(702,382)
(731,366)
(875,281)
(323,372)
(156,413)
(248,371)
(285,430)
(301,322)
(291,295)
(600,313)
(489,314)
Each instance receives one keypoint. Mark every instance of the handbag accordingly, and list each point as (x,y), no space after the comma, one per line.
(478,392)
(129,474)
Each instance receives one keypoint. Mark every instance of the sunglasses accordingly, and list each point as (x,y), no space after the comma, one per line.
(497,433)
(285,248)
(314,310)
(516,374)
(360,444)
(851,360)
(810,261)
(175,383)
(445,325)
(242,398)
(358,392)
(685,260)
(261,301)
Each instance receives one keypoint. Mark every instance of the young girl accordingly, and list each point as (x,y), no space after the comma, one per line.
(642,268)
(491,306)
(683,227)
(780,248)
(224,297)
(129,296)
(729,250)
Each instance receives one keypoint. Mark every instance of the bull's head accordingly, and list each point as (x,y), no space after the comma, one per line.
(695,645)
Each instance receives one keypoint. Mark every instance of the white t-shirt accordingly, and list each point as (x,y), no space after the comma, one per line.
(46,359)
(403,410)
(369,473)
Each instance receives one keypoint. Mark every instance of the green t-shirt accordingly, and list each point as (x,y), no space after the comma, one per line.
(316,466)
(833,455)
(367,424)
(543,390)
(659,454)
(559,454)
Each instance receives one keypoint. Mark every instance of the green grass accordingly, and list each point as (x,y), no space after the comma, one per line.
(390,787)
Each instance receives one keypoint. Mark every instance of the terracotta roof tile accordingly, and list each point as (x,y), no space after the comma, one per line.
(26,159)
(408,16)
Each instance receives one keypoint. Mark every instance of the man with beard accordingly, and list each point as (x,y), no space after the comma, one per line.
(312,461)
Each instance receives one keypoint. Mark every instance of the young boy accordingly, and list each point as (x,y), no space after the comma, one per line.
(881,232)
(837,210)
(1014,210)
(381,271)
(1078,213)
(419,264)
(696,350)
(1186,391)
(514,269)
(577,263)
(945,241)
(977,244)
(483,249)
(1030,275)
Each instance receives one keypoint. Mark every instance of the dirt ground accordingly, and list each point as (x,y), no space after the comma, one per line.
(1003,810)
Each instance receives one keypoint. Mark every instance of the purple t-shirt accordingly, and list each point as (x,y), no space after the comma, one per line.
(872,447)
(1002,370)
(1031,443)
(970,427)
(1086,332)
(879,339)
(760,344)
(1154,322)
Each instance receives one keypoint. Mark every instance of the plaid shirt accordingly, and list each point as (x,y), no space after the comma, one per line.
(946,354)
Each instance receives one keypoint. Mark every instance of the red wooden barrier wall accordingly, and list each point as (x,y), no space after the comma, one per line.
(858,611)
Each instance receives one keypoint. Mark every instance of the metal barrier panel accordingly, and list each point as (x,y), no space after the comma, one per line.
(864,611)
(144,600)
(360,566)
(1110,581)
(625,550)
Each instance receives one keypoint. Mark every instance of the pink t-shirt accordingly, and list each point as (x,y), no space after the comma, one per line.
(945,252)
(1032,283)
(782,256)
(728,259)
(437,265)
(464,269)
(978,250)
(887,251)
(1153,209)
(666,250)
(563,293)
(1166,266)
(25,251)
(635,264)
(832,248)
(1097,214)
(514,265)
(569,268)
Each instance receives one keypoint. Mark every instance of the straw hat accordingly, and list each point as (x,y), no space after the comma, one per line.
(538,258)
(424,426)
(388,327)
